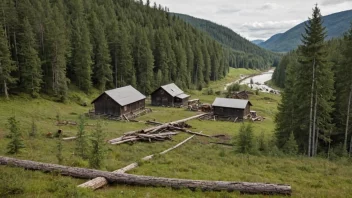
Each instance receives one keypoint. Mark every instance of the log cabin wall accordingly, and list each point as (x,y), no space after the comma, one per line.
(104,105)
(229,112)
(161,98)
(133,107)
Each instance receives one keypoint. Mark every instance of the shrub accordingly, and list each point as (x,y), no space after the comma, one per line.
(12,182)
(262,144)
(97,148)
(63,187)
(81,141)
(33,131)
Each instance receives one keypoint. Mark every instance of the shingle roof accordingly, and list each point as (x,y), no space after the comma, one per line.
(124,95)
(182,96)
(172,89)
(231,103)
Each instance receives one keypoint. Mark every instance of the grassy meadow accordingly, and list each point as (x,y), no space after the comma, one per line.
(197,159)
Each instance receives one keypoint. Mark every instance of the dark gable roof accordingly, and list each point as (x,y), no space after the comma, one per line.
(231,103)
(172,89)
(124,95)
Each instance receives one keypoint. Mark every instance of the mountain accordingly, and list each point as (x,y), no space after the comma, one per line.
(234,41)
(257,42)
(336,25)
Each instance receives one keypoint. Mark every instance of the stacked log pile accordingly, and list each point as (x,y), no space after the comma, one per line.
(161,132)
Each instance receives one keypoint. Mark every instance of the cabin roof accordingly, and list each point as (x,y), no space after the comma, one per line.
(231,103)
(182,96)
(124,95)
(172,89)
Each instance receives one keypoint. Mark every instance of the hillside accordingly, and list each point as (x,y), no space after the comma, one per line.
(336,25)
(232,40)
(197,159)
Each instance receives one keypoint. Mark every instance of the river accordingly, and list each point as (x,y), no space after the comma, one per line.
(259,82)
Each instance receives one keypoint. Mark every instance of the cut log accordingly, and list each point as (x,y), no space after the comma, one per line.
(154,122)
(101,181)
(127,140)
(69,138)
(190,132)
(126,117)
(84,173)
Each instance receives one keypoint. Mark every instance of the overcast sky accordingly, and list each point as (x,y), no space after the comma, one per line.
(255,19)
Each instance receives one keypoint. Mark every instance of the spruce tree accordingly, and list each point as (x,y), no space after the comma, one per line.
(102,66)
(315,84)
(124,57)
(245,139)
(81,141)
(97,151)
(16,143)
(291,147)
(31,71)
(344,86)
(6,64)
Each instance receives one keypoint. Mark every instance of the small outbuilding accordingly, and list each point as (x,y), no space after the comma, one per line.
(169,95)
(120,101)
(228,107)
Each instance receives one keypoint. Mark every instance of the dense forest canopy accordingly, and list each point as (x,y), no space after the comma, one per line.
(317,96)
(244,53)
(47,46)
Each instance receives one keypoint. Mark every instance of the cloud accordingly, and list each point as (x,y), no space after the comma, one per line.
(227,10)
(334,2)
(269,25)
(270,6)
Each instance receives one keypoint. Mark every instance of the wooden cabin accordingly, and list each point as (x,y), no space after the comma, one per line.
(228,107)
(169,95)
(120,101)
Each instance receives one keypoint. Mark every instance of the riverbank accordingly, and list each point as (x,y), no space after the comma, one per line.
(258,82)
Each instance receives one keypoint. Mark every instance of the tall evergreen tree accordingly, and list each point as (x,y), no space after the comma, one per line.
(6,64)
(124,57)
(31,71)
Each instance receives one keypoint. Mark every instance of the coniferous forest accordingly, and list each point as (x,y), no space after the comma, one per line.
(47,46)
(316,102)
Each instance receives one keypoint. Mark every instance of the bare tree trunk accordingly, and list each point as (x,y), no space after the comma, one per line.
(139,180)
(347,119)
(115,57)
(350,147)
(101,181)
(5,90)
(316,142)
(311,113)
(329,144)
(314,123)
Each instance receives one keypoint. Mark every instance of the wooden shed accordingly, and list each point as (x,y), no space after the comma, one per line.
(120,101)
(169,95)
(227,107)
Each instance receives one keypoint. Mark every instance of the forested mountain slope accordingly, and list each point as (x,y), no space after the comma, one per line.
(336,24)
(48,46)
(246,50)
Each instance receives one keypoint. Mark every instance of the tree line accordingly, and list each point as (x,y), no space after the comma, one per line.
(47,46)
(316,101)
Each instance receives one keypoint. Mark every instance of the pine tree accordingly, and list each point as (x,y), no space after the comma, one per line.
(81,141)
(6,64)
(245,139)
(16,143)
(97,151)
(291,147)
(124,57)
(31,71)
(102,67)
(344,85)
(59,148)
(58,48)
(34,129)
(315,84)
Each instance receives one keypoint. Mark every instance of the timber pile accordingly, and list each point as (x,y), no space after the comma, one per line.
(161,132)
(139,180)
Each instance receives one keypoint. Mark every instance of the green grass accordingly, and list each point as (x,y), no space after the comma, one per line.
(197,159)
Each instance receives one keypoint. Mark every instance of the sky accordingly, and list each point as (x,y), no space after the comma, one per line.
(255,19)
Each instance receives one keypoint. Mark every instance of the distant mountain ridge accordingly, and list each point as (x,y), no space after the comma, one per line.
(258,41)
(336,25)
(231,39)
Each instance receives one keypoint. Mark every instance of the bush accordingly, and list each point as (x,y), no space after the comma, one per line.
(234,87)
(16,142)
(11,182)
(64,187)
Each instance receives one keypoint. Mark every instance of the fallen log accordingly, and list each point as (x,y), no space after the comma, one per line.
(123,141)
(101,181)
(153,122)
(188,131)
(69,138)
(129,179)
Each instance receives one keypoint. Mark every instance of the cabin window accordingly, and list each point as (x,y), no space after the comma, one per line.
(221,109)
(161,92)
